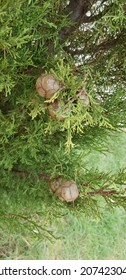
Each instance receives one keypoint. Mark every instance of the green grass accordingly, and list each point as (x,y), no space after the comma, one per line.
(114,157)
(88,239)
(28,223)
(78,237)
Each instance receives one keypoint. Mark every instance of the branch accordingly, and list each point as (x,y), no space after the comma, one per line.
(104,46)
(30,221)
(104,193)
(76,10)
(47,177)
(23,174)
(112,42)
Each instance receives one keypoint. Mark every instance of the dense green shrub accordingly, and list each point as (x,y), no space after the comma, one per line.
(80,41)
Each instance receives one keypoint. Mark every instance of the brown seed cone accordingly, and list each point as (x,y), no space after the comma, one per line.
(65,190)
(47,85)
(84,99)
(56,111)
(39,87)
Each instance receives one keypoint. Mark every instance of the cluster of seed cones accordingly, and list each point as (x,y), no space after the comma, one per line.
(47,85)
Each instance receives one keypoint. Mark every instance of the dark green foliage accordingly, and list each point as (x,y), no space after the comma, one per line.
(40,36)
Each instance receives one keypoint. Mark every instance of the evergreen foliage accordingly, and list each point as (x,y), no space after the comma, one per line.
(79,42)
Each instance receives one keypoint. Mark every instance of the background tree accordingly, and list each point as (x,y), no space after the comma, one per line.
(82,43)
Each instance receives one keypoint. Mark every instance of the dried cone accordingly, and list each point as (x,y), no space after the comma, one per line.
(82,95)
(84,99)
(47,85)
(65,190)
(56,110)
(55,184)
(39,87)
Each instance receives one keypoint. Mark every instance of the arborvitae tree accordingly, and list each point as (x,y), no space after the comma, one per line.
(82,44)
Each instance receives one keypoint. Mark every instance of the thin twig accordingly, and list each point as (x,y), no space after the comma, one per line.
(4,52)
